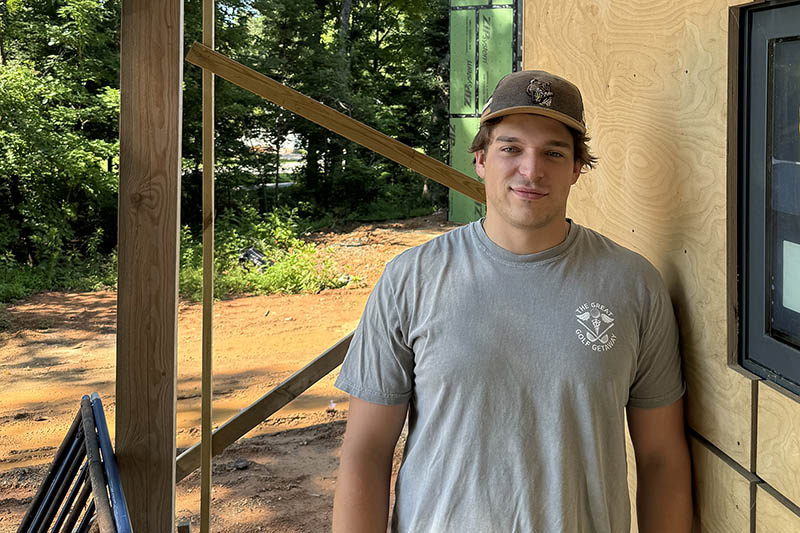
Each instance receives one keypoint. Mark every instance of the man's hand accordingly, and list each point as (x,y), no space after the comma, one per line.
(663,468)
(361,503)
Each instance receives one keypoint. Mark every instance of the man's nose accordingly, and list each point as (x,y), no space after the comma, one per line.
(531,165)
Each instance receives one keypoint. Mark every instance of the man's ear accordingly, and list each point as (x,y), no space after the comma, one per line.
(480,163)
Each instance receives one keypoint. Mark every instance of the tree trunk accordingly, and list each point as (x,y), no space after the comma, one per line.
(344,24)
(312,164)
(344,51)
(22,251)
(278,143)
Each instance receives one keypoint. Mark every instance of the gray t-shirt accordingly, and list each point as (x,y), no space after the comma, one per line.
(518,369)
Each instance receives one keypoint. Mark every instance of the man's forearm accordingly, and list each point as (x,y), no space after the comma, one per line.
(664,497)
(361,504)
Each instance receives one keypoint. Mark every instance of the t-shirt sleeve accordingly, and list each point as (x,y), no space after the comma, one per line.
(379,365)
(658,380)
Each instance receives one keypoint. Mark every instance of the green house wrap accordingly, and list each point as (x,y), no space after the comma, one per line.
(484,47)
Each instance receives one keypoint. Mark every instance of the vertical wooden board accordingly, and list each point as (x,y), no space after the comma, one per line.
(462,130)
(778,438)
(721,494)
(151,67)
(495,52)
(772,516)
(654,77)
(462,62)
(207,387)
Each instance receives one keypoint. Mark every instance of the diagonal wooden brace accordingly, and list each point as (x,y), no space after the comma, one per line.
(275,92)
(265,406)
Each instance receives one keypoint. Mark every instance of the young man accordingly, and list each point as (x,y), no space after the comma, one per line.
(515,344)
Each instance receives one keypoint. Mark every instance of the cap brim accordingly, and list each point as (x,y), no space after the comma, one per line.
(534,110)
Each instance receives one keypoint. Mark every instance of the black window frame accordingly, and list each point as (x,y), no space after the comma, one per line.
(760,353)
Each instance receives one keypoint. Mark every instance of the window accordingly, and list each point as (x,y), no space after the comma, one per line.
(769,191)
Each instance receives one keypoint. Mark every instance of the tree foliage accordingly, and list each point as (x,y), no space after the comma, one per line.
(383,62)
(58,128)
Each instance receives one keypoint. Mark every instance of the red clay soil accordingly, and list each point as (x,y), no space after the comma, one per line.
(56,347)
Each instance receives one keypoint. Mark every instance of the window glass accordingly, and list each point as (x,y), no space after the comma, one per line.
(783,177)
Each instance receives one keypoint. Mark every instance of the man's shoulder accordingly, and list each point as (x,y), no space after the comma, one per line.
(440,246)
(613,255)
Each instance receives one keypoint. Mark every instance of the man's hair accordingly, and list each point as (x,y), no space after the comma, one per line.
(580,141)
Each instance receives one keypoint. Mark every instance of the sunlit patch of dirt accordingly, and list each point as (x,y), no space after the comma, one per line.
(56,347)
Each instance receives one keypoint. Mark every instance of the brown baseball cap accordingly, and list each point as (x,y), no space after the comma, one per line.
(539,93)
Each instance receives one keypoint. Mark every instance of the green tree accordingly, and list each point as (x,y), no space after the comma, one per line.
(382,62)
(58,128)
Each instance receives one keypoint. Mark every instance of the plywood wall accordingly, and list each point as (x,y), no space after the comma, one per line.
(654,76)
(778,441)
(772,516)
(719,511)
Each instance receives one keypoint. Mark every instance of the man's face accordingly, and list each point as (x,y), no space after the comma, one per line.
(529,167)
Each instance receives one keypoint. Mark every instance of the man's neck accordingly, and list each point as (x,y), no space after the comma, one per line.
(523,241)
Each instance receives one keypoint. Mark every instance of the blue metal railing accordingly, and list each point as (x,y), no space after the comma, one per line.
(80,480)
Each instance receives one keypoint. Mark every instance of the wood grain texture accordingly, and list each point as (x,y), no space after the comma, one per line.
(733,185)
(721,494)
(265,406)
(151,68)
(773,516)
(632,479)
(331,119)
(207,396)
(740,3)
(653,75)
(778,437)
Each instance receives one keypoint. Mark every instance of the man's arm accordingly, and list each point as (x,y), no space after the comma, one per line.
(361,503)
(663,468)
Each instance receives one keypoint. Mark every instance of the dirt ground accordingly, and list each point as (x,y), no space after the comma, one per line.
(280,477)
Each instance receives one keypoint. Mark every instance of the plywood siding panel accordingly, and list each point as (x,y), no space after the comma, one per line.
(632,480)
(722,495)
(779,441)
(654,76)
(772,516)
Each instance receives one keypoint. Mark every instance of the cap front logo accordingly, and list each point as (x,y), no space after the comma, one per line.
(540,92)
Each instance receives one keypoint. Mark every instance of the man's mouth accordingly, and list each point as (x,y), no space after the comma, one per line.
(527,193)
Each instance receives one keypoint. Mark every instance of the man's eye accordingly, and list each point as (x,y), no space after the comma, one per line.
(507,149)
(555,154)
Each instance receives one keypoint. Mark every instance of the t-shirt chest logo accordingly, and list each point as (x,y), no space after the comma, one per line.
(596,326)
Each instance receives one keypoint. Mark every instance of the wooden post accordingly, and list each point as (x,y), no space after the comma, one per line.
(209,7)
(151,73)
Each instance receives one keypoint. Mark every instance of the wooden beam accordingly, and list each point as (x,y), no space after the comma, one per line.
(266,406)
(209,7)
(151,74)
(257,83)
